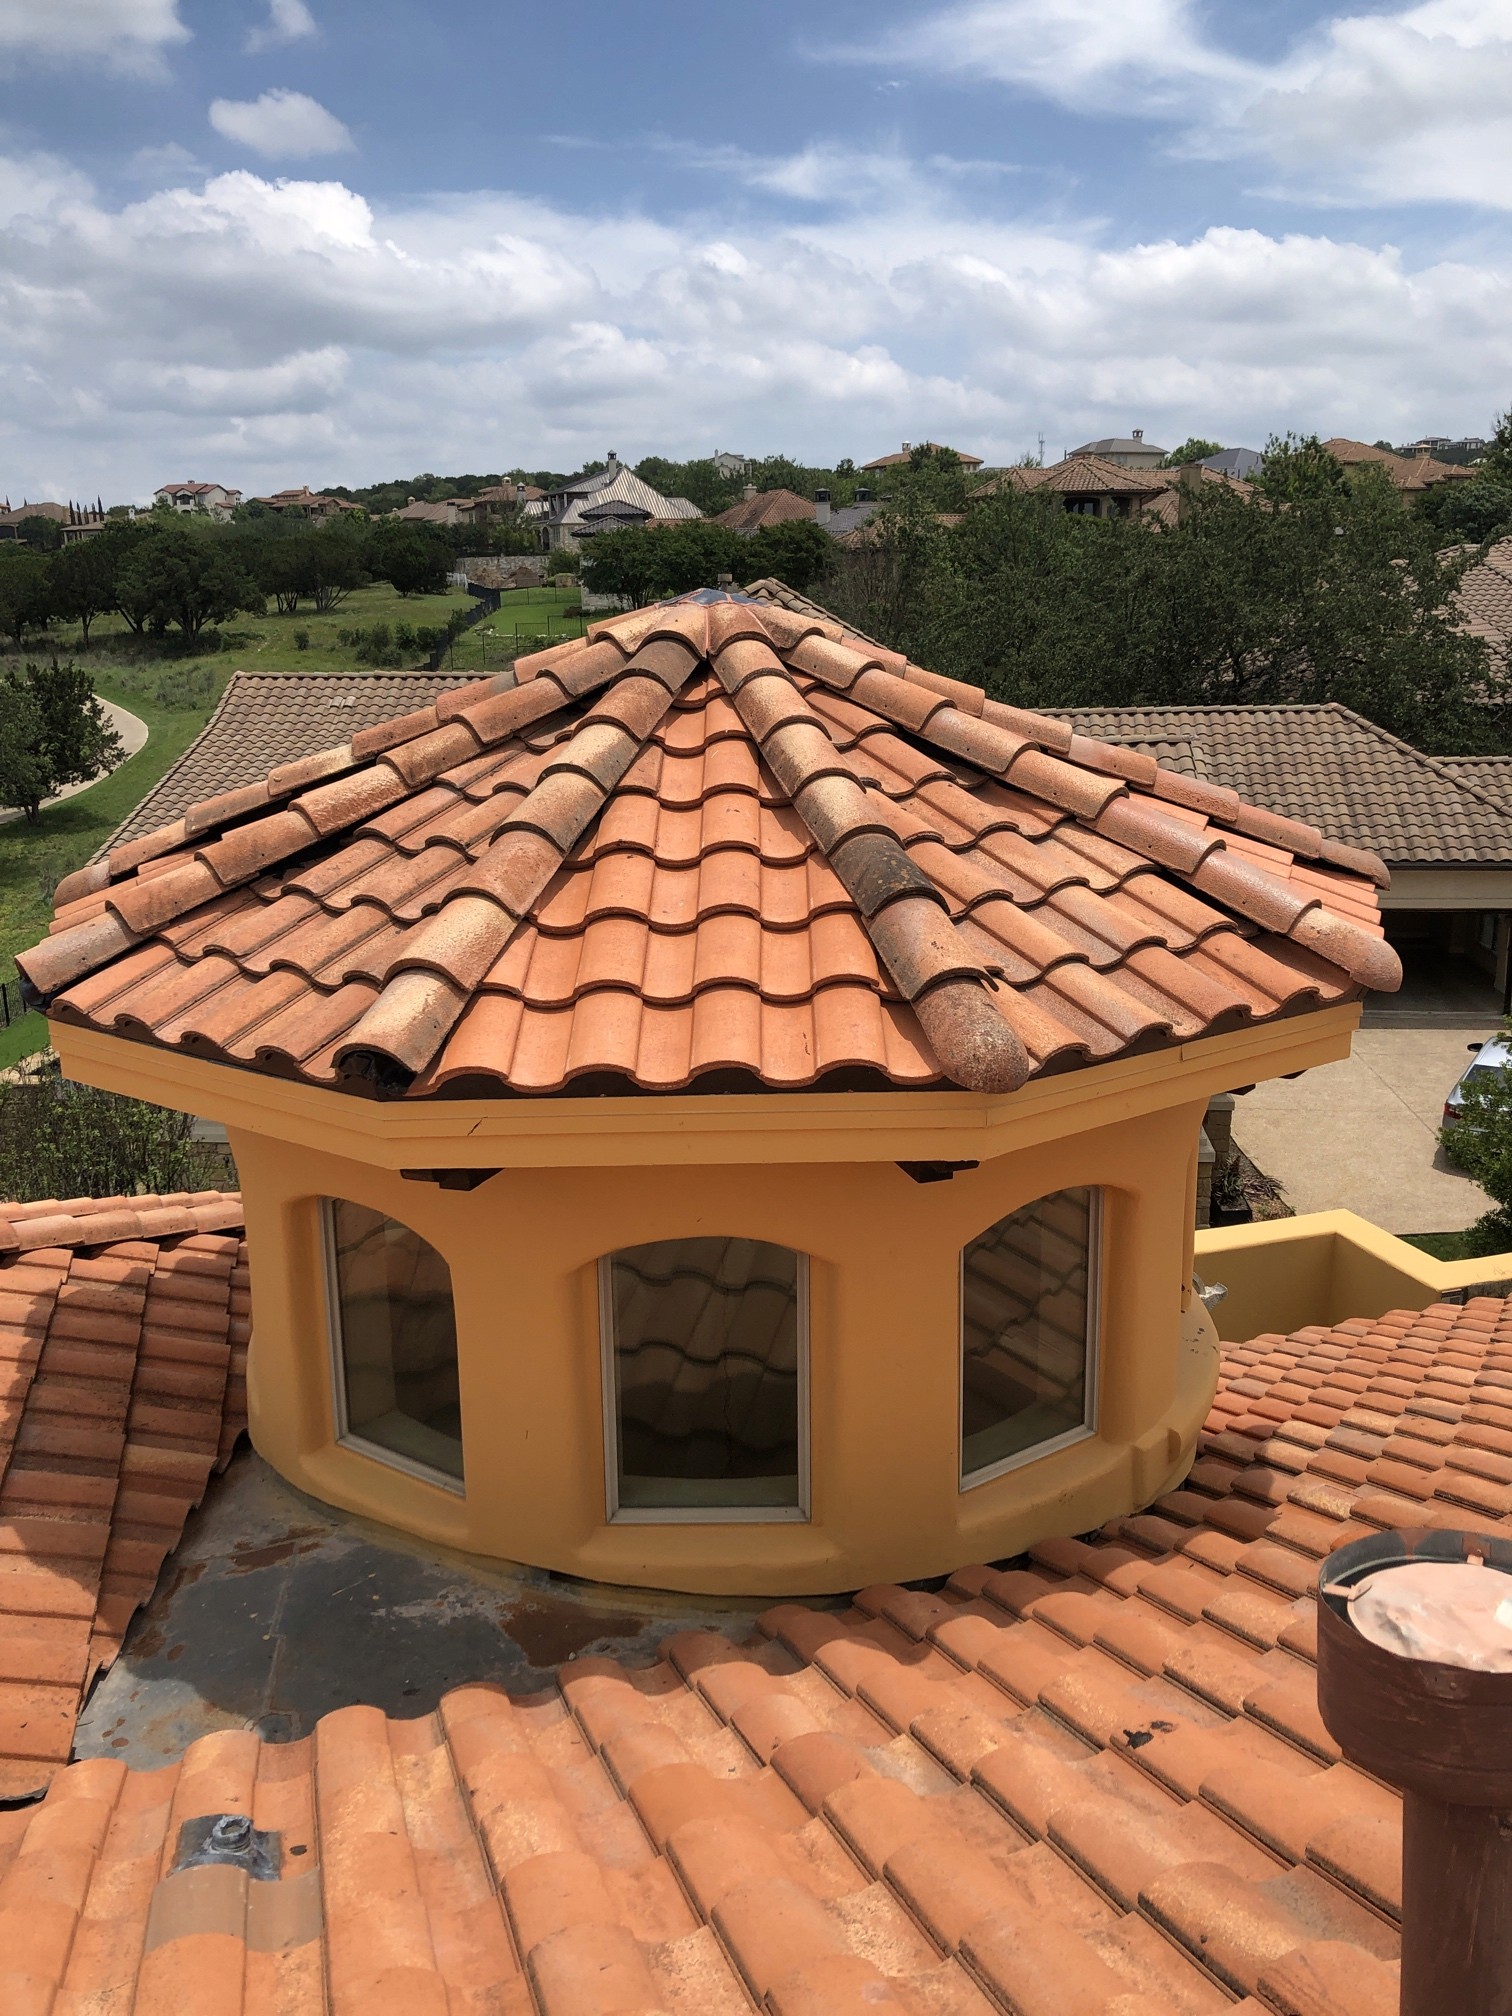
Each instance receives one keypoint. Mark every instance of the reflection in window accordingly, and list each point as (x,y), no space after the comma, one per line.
(704,1373)
(396,1339)
(1026,1332)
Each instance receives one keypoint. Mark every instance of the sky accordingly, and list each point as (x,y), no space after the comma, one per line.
(271,242)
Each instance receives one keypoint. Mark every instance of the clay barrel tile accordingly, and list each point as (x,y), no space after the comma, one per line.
(1214,801)
(877,870)
(635,702)
(494,718)
(59,961)
(408,1023)
(427,756)
(248,850)
(799,753)
(594,666)
(1060,783)
(920,946)
(85,881)
(969,699)
(1356,861)
(1039,729)
(602,751)
(348,800)
(144,904)
(1169,842)
(1277,831)
(748,658)
(559,807)
(306,771)
(513,874)
(979,743)
(835,808)
(974,1044)
(1133,765)
(226,805)
(1254,892)
(909,704)
(457,699)
(385,735)
(132,853)
(459,943)
(1368,960)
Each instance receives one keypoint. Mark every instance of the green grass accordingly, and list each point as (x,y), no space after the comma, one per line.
(526,616)
(1441,1245)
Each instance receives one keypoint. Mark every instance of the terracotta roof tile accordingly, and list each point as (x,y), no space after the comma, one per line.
(719,836)
(1094,1781)
(123,1339)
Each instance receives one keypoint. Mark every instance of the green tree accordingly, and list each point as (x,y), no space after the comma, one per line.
(183,577)
(637,565)
(1194,449)
(59,1139)
(799,552)
(1299,466)
(26,596)
(41,533)
(413,559)
(1482,1146)
(82,579)
(1475,511)
(53,732)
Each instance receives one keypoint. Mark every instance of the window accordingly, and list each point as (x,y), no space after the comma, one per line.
(396,1343)
(705,1380)
(1028,1334)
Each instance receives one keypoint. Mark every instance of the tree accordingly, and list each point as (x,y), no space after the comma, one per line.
(1193,449)
(637,565)
(53,732)
(26,598)
(799,552)
(412,559)
(82,579)
(1475,511)
(323,564)
(184,577)
(59,1139)
(41,533)
(1482,1146)
(1300,466)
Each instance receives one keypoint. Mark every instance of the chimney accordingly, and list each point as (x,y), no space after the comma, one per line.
(821,507)
(748,493)
(613,459)
(1415,1686)
(1139,433)
(907,445)
(519,493)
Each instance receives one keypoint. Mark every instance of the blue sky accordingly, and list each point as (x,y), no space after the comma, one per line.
(274,241)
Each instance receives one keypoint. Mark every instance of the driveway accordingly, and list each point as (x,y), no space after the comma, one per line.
(1363,1135)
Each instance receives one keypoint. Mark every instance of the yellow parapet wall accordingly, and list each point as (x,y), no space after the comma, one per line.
(1324,1268)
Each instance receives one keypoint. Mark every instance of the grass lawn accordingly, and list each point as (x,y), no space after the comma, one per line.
(1444,1245)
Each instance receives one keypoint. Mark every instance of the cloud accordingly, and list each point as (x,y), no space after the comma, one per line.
(288,21)
(1413,105)
(284,125)
(129,35)
(266,330)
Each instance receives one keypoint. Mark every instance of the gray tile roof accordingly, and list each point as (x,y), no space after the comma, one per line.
(266,718)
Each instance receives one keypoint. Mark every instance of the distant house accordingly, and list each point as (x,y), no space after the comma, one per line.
(418,513)
(307,503)
(215,500)
(1485,602)
(1130,451)
(1095,486)
(731,465)
(765,507)
(612,499)
(74,521)
(911,448)
(1408,472)
(1245,463)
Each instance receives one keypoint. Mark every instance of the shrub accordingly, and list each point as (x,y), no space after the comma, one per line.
(59,1139)
(301,640)
(405,639)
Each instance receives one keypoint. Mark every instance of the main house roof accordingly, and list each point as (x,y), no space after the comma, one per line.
(1094,1780)
(123,1346)
(714,843)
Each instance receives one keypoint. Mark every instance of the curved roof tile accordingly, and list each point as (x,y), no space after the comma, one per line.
(716,841)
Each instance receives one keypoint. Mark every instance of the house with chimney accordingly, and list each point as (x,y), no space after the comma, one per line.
(213,500)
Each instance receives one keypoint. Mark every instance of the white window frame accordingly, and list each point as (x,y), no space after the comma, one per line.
(970,1479)
(698,1515)
(336,1358)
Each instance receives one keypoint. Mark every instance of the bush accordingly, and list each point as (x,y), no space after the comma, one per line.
(301,640)
(63,1140)
(376,646)
(405,640)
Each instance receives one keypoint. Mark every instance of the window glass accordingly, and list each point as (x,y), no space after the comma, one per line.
(1026,1322)
(397,1339)
(704,1373)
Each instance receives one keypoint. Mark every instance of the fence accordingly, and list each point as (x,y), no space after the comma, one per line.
(485,603)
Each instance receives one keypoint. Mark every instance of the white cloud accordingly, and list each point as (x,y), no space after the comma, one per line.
(128,34)
(288,21)
(284,125)
(268,331)
(1413,105)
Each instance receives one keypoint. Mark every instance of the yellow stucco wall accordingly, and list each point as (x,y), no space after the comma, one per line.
(578,1178)
(883,1340)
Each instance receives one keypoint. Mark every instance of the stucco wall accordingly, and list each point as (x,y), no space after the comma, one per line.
(884,1254)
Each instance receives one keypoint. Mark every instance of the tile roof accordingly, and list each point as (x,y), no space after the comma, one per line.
(1484,597)
(1407,472)
(713,842)
(267,718)
(1085,475)
(1328,765)
(123,1340)
(910,448)
(767,507)
(1093,1782)
(1490,775)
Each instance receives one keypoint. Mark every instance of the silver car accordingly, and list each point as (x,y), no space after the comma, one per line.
(1496,1055)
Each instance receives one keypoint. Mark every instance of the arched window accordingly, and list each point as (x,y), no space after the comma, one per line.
(1029,1334)
(705,1380)
(395,1337)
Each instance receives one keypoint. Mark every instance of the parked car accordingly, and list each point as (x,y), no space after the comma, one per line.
(1495,1055)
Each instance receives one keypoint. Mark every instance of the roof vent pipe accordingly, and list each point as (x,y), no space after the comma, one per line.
(1415,1686)
(821,507)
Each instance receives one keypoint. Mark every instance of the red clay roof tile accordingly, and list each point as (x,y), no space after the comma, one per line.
(677,767)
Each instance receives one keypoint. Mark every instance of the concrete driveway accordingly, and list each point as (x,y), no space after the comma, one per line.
(1363,1135)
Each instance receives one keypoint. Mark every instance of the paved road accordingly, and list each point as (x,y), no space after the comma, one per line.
(1363,1135)
(133,734)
